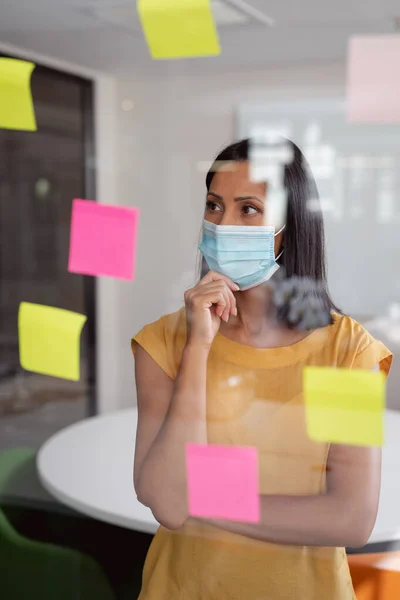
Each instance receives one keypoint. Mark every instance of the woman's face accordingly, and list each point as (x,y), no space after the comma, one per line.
(233,199)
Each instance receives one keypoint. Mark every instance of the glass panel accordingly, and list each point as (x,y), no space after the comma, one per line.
(40,174)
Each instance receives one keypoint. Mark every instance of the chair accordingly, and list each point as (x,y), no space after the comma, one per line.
(376,576)
(19,482)
(32,569)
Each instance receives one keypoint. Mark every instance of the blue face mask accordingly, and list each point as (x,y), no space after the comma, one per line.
(245,254)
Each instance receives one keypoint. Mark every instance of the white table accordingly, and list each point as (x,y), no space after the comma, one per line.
(89,467)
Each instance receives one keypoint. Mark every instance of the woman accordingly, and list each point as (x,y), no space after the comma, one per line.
(227,369)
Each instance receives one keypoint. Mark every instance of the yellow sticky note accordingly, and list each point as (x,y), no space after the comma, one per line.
(178,28)
(49,340)
(16,105)
(344,406)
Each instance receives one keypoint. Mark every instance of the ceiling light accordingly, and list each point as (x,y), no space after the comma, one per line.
(123,14)
(224,14)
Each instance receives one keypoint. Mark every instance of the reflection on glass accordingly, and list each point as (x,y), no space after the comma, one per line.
(42,188)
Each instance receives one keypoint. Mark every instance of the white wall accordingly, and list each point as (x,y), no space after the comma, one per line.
(176,123)
(107,289)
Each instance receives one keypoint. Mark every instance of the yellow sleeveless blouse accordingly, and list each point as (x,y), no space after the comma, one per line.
(254,398)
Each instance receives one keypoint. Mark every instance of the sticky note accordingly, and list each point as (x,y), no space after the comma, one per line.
(373,79)
(102,239)
(223,482)
(16,105)
(344,406)
(178,28)
(49,340)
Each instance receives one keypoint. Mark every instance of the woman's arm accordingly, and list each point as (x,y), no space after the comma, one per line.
(344,516)
(171,414)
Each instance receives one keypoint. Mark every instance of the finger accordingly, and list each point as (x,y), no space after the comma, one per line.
(230,301)
(217,297)
(214,276)
(228,308)
(231,308)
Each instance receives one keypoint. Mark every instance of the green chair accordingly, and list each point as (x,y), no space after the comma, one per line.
(19,482)
(32,569)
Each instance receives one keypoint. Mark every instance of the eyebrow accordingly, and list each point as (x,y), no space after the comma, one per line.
(237,199)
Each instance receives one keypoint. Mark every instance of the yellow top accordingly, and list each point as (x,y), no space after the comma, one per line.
(254,398)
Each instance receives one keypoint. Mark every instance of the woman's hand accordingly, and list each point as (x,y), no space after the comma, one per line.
(206,304)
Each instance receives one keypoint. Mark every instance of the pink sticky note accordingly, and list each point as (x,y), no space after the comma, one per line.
(102,239)
(373,79)
(223,482)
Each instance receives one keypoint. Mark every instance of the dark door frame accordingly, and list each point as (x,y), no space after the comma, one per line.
(89,172)
(89,283)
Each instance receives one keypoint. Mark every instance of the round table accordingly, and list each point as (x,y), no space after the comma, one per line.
(89,467)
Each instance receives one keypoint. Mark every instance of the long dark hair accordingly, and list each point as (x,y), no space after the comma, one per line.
(303,257)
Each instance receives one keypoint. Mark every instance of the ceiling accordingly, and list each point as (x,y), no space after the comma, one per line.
(106,36)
